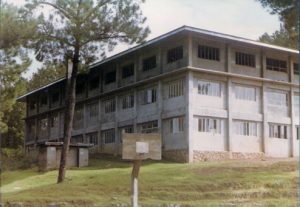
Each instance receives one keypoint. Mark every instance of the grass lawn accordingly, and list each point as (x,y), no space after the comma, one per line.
(107,183)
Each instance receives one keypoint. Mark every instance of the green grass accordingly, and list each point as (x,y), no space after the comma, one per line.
(107,183)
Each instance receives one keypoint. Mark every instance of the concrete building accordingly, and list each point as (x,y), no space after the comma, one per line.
(211,95)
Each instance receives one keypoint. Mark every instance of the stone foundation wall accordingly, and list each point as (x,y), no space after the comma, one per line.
(180,155)
(199,156)
(248,155)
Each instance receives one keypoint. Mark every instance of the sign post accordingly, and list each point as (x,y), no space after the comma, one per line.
(138,147)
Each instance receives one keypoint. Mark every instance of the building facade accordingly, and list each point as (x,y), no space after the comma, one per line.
(210,95)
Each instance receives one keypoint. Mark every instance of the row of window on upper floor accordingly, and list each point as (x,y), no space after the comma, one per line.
(174,54)
(206,88)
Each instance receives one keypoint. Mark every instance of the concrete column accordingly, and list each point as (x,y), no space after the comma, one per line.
(229,89)
(293,132)
(262,63)
(189,85)
(117,141)
(190,50)
(228,145)
(265,128)
(100,123)
(136,67)
(228,58)
(136,108)
(159,102)
(85,117)
(160,61)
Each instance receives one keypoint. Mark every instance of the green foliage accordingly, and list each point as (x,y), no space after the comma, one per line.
(85,26)
(15,159)
(45,75)
(13,58)
(281,38)
(288,35)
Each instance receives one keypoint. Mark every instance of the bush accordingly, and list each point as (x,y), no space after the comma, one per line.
(14,159)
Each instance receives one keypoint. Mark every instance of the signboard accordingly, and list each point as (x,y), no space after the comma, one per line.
(138,146)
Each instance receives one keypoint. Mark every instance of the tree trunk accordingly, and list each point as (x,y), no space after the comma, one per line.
(69,114)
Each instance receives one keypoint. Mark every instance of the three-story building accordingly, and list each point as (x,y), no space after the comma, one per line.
(210,95)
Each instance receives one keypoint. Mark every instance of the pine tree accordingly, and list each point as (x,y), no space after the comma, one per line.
(81,30)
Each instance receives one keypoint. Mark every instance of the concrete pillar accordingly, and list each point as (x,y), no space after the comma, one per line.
(160,60)
(100,123)
(159,102)
(189,85)
(292,138)
(228,145)
(229,89)
(136,108)
(190,50)
(117,141)
(85,119)
(227,58)
(293,132)
(262,63)
(265,128)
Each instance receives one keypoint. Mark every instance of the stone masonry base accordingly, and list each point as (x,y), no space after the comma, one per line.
(179,155)
(199,156)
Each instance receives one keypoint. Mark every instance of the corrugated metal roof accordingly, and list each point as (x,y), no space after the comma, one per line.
(173,32)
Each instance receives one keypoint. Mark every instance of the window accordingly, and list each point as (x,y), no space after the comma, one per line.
(245,93)
(175,54)
(78,118)
(296,101)
(245,59)
(31,127)
(32,105)
(94,83)
(297,132)
(110,105)
(109,136)
(110,77)
(210,125)
(176,125)
(175,89)
(55,97)
(209,88)
(43,100)
(149,63)
(44,124)
(93,110)
(127,129)
(93,138)
(278,98)
(210,53)
(246,128)
(54,121)
(77,139)
(296,68)
(128,70)
(148,96)
(278,131)
(276,65)
(150,127)
(80,87)
(127,101)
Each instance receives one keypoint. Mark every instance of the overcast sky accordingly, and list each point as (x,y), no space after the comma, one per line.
(244,18)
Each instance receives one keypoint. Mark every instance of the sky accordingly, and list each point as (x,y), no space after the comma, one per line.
(244,18)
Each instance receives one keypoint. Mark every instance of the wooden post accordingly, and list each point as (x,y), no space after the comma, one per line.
(134,182)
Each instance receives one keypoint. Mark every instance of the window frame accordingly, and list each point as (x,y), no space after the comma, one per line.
(208,52)
(174,54)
